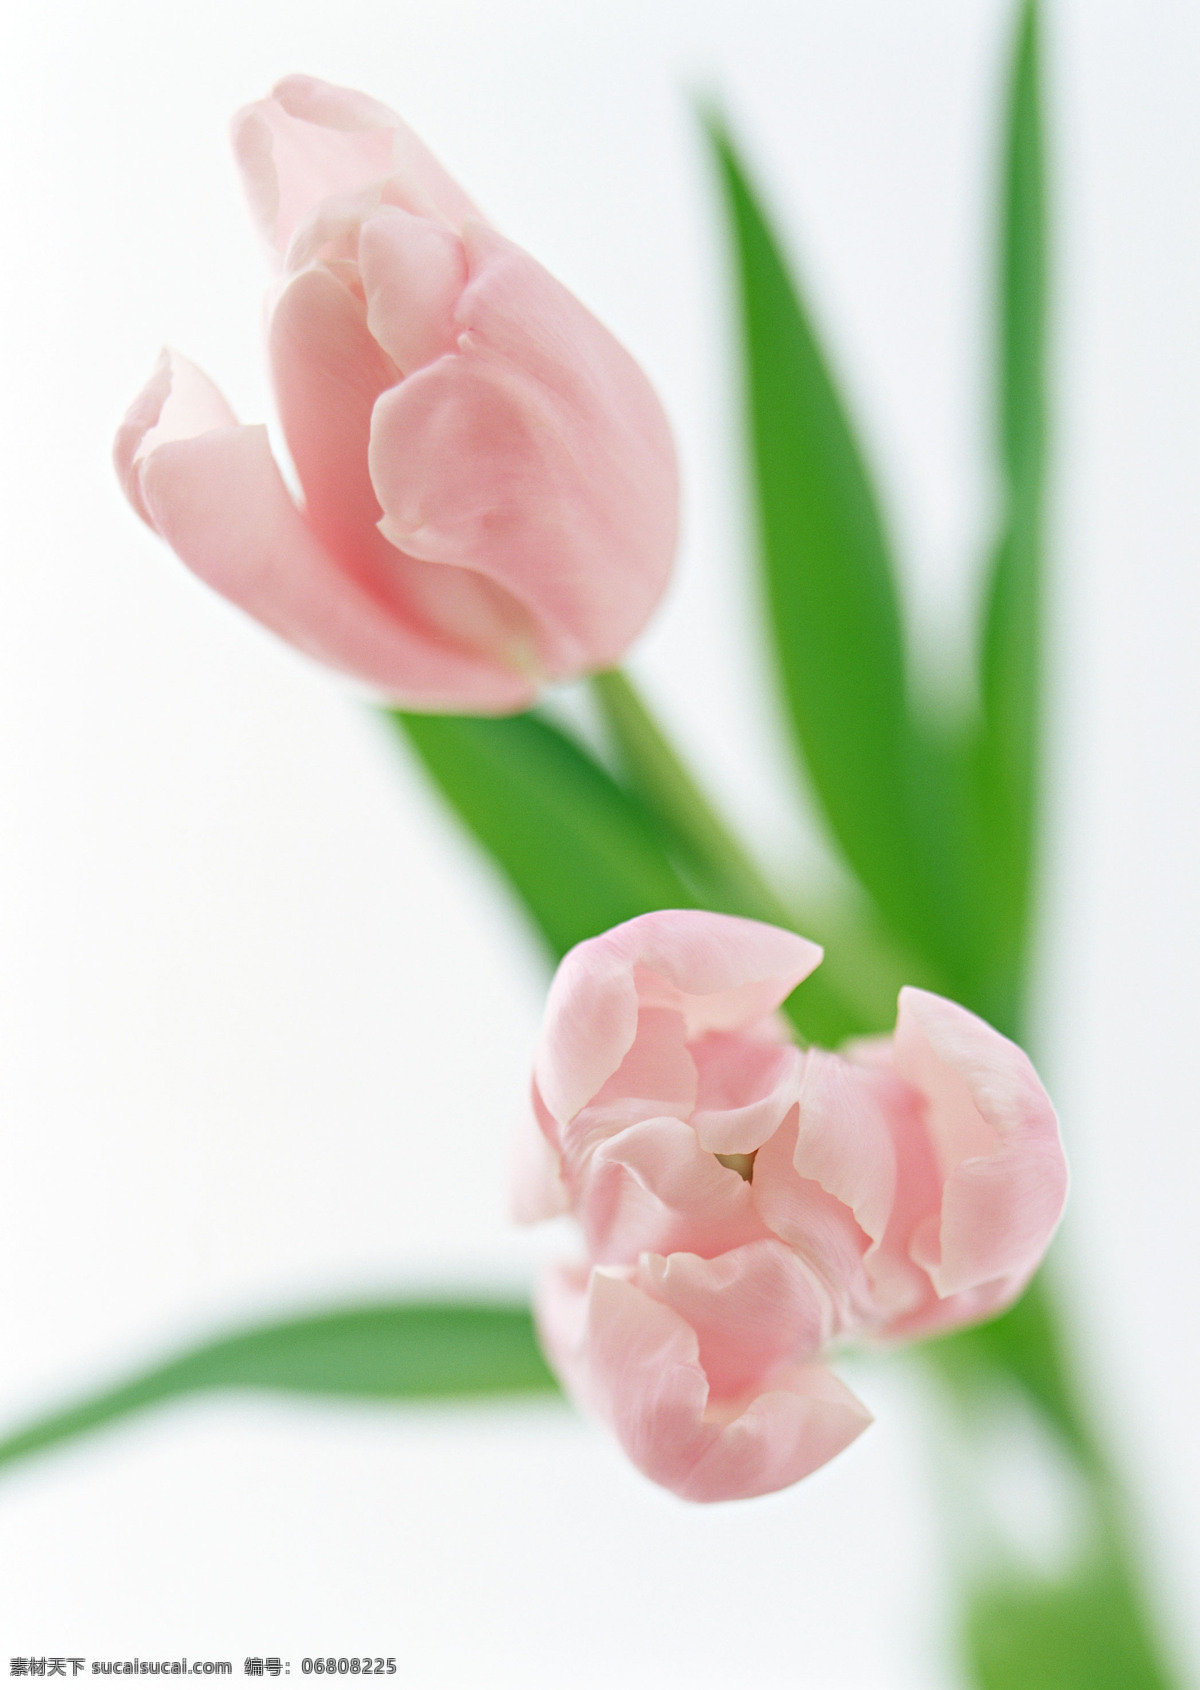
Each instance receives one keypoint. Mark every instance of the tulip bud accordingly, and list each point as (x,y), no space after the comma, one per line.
(489,485)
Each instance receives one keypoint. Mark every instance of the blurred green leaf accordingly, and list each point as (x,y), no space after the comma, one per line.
(1087,1632)
(1088,1629)
(395,1352)
(579,851)
(831,592)
(1024,1345)
(1010,655)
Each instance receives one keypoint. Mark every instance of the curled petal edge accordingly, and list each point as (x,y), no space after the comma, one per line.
(636,1363)
(719,972)
(216,495)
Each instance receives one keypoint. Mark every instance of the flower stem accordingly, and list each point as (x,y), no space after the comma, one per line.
(669,790)
(854,991)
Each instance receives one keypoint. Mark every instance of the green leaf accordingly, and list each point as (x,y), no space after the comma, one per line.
(1010,654)
(830,583)
(1086,1632)
(583,853)
(579,851)
(1024,1345)
(395,1352)
(1088,1629)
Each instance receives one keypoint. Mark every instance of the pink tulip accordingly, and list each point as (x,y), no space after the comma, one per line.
(745,1205)
(489,486)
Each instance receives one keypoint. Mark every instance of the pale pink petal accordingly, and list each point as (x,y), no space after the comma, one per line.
(719,972)
(330,235)
(644,1377)
(819,1227)
(414,271)
(474,469)
(652,1188)
(902,1291)
(806,1418)
(903,1294)
(544,1120)
(220,502)
(746,1087)
(514,312)
(328,372)
(343,110)
(752,1309)
(311,141)
(177,402)
(844,1140)
(539,455)
(657,1075)
(560,1307)
(995,1134)
(536,1189)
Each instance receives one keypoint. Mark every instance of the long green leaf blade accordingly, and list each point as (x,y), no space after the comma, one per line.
(830,583)
(392,1352)
(580,852)
(1011,635)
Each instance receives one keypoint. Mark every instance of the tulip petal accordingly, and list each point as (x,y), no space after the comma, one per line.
(329,372)
(413,271)
(751,1308)
(818,1226)
(177,402)
(644,1375)
(537,454)
(746,1087)
(473,469)
(650,1187)
(221,504)
(560,1307)
(312,141)
(844,1140)
(996,1136)
(536,1190)
(657,1075)
(806,1418)
(719,972)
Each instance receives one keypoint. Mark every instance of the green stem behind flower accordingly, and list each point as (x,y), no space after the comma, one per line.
(665,785)
(854,991)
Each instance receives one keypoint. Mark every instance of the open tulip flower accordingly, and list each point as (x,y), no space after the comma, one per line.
(489,485)
(746,1204)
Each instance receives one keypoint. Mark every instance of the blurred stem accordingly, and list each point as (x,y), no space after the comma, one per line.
(1024,1345)
(854,991)
(671,793)
(1091,1626)
(1088,1625)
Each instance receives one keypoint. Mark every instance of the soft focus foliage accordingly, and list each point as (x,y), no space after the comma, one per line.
(389,1352)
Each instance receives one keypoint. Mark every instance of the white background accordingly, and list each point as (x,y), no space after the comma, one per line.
(264,1017)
